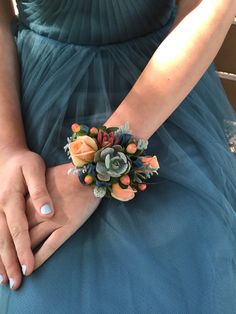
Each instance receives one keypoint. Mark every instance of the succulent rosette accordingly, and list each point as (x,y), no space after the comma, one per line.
(105,139)
(110,160)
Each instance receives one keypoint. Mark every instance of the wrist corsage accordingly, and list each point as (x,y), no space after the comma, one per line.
(110,160)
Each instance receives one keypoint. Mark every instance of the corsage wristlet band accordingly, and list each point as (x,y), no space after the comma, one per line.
(110,160)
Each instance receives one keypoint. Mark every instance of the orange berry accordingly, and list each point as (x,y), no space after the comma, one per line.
(142,186)
(131,148)
(88,179)
(75,127)
(93,131)
(125,179)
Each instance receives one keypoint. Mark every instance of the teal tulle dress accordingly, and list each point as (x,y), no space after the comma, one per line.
(170,250)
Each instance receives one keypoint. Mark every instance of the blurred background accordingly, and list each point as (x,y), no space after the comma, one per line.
(225,63)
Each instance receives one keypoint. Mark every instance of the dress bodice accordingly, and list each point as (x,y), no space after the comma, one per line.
(94,22)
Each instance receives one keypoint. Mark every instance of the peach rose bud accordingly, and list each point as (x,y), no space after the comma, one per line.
(82,150)
(75,127)
(93,131)
(151,161)
(131,148)
(122,194)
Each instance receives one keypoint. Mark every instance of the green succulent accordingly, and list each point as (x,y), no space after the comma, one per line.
(111,162)
(99,191)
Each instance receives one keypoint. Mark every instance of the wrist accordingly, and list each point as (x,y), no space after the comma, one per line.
(59,173)
(126,113)
(7,153)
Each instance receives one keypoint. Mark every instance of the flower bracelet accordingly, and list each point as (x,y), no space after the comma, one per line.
(110,160)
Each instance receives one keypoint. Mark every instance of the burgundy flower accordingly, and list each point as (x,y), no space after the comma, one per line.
(105,139)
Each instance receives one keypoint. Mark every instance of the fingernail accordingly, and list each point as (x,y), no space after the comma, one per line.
(23,267)
(11,282)
(45,209)
(1,278)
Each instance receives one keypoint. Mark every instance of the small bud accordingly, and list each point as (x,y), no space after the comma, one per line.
(125,179)
(93,131)
(142,186)
(75,127)
(131,148)
(88,179)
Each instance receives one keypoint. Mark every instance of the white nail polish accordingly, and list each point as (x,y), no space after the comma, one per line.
(11,282)
(1,278)
(23,268)
(46,209)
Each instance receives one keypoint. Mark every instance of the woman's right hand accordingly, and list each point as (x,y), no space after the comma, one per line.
(21,172)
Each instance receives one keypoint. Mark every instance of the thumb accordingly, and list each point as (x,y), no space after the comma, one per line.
(34,174)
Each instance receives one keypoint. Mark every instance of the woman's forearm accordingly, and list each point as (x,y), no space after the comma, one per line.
(12,133)
(175,67)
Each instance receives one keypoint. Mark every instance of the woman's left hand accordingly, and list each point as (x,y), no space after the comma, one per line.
(74,203)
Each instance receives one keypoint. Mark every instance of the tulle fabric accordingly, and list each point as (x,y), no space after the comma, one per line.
(92,22)
(171,249)
(63,82)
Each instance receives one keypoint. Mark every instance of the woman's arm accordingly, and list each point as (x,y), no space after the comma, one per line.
(10,116)
(151,98)
(184,7)
(21,171)
(176,66)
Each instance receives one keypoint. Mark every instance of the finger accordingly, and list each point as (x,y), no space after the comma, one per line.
(8,255)
(41,232)
(34,174)
(18,227)
(32,215)
(55,240)
(3,273)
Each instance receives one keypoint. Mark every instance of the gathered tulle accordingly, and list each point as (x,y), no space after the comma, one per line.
(96,22)
(65,83)
(172,248)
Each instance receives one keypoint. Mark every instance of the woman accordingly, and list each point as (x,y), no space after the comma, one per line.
(172,248)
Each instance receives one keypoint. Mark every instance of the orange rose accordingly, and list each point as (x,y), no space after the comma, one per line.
(150,161)
(122,194)
(82,150)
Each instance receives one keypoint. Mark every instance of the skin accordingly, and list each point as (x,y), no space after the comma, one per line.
(162,85)
(74,205)
(162,80)
(21,171)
